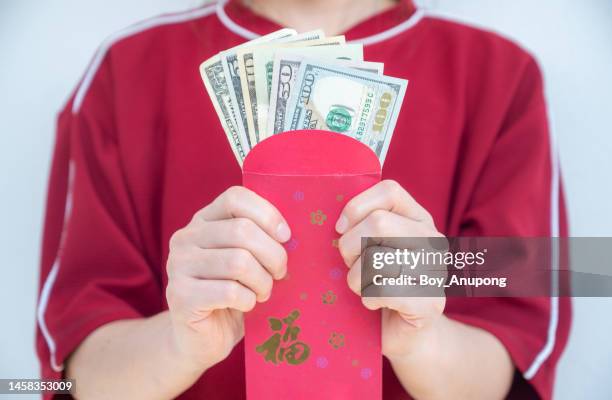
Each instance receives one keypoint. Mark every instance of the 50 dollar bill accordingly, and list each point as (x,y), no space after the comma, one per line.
(263,59)
(246,72)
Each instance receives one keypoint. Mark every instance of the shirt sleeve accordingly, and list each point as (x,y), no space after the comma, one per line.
(518,194)
(94,268)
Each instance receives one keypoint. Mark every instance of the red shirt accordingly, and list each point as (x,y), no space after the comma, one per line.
(140,149)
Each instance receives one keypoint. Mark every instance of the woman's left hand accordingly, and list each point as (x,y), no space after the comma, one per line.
(387,210)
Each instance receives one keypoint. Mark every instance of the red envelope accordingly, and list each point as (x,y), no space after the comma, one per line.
(313,339)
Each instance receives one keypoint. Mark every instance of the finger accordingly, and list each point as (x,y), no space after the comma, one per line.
(228,264)
(409,308)
(196,298)
(386,195)
(364,285)
(240,202)
(245,234)
(402,305)
(353,278)
(390,229)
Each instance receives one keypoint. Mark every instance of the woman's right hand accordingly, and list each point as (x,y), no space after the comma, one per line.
(222,263)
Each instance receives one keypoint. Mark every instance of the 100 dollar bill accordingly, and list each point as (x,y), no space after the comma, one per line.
(285,76)
(355,103)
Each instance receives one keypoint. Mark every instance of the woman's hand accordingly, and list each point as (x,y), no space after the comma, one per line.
(387,210)
(222,263)
(433,356)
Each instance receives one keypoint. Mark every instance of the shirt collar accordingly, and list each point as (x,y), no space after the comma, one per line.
(241,20)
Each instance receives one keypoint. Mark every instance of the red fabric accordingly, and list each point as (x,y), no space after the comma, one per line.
(147,151)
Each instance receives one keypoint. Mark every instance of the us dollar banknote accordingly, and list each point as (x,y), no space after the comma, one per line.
(286,73)
(247,79)
(229,61)
(359,104)
(263,59)
(215,81)
(286,81)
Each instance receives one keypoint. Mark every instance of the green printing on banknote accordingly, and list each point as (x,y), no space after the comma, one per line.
(339,118)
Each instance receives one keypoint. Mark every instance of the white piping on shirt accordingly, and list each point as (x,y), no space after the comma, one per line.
(414,19)
(553,322)
(411,22)
(231,25)
(130,31)
(50,280)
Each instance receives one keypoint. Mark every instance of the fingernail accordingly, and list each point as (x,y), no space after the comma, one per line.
(342,224)
(283,232)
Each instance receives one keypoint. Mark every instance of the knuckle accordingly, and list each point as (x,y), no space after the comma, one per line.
(351,210)
(429,219)
(393,190)
(184,236)
(242,228)
(378,221)
(231,197)
(251,301)
(234,190)
(179,260)
(198,216)
(239,261)
(177,238)
(231,292)
(391,186)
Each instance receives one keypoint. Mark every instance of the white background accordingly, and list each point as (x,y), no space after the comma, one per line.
(45,47)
